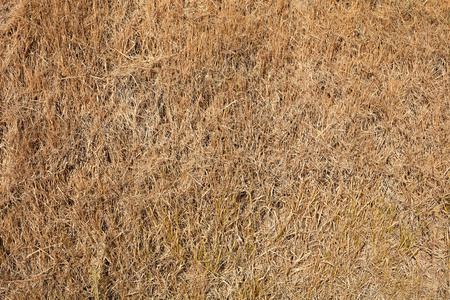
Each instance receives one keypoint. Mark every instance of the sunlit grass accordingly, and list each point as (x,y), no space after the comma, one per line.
(224,149)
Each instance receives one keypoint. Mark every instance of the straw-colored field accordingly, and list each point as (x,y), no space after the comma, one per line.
(233,149)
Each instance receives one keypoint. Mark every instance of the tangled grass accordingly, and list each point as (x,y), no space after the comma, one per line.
(224,149)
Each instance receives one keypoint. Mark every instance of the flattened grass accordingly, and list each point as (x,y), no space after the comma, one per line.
(235,149)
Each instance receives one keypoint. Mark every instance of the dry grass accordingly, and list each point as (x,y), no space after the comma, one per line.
(224,149)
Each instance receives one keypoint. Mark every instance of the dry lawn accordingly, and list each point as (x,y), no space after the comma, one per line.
(233,149)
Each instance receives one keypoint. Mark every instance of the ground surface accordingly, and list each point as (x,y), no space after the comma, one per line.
(224,149)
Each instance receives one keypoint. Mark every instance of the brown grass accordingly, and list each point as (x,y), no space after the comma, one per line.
(224,149)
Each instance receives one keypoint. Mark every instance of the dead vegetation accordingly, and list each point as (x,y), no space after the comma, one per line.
(224,149)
